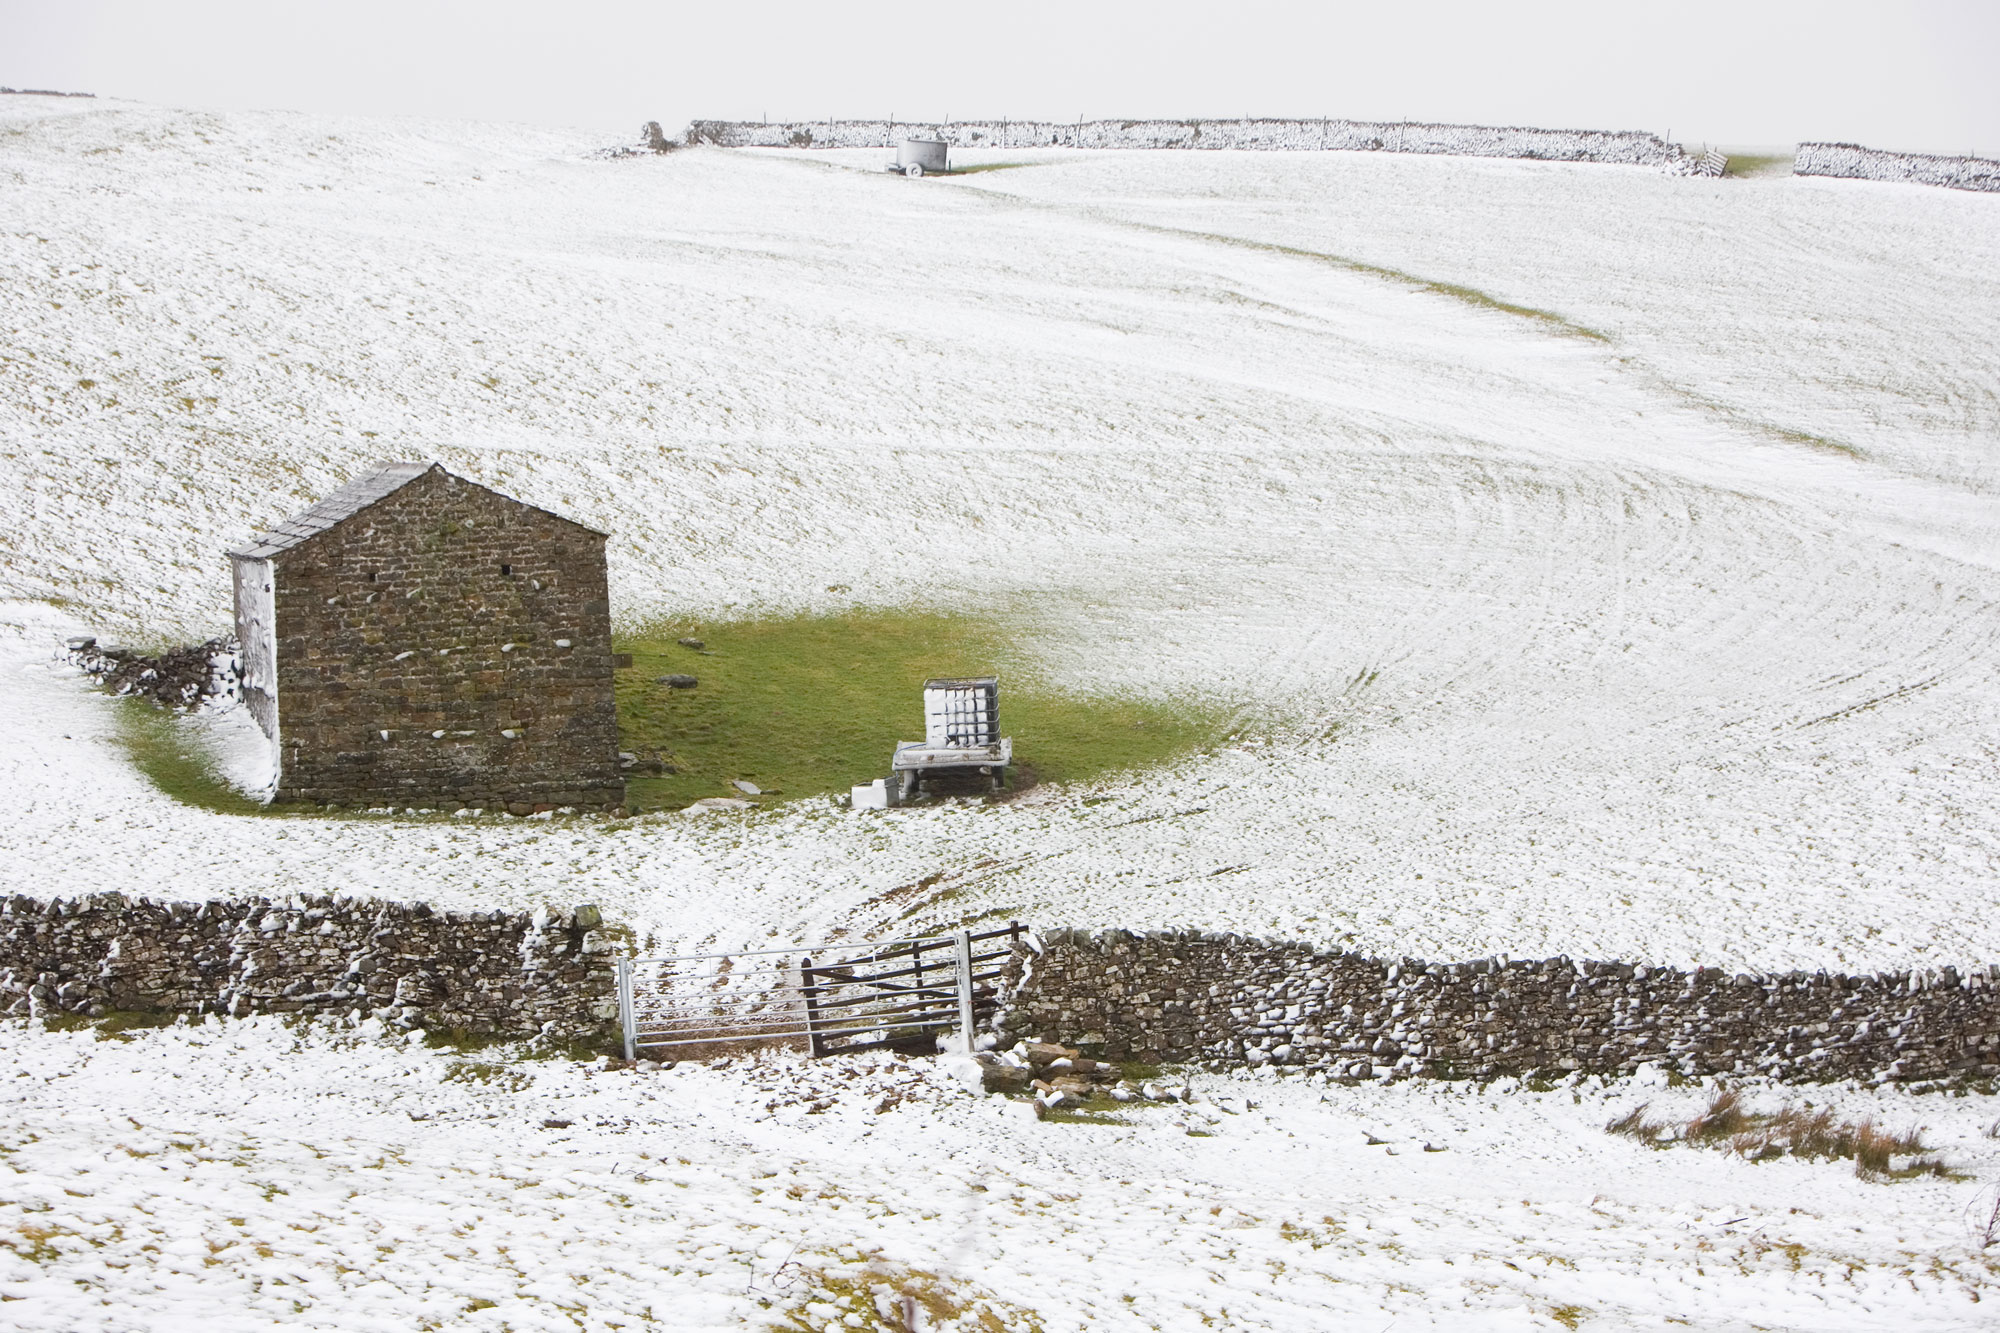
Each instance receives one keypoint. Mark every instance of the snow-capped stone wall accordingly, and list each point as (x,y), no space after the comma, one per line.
(1871,164)
(185,677)
(1631,147)
(1226,999)
(482,972)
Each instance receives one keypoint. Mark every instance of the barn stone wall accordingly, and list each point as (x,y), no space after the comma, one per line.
(1632,147)
(446,645)
(483,972)
(1858,163)
(1229,1000)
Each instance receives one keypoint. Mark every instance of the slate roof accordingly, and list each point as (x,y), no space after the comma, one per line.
(383,480)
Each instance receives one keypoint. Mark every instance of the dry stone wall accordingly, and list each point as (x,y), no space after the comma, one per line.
(1871,164)
(481,972)
(186,677)
(1229,1000)
(1631,147)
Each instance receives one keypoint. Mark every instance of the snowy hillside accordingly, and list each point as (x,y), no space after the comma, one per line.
(1555,643)
(1596,562)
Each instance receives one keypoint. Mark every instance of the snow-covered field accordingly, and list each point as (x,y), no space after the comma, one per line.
(1663,627)
(246,1176)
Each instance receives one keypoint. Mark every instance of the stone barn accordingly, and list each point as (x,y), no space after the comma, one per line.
(415,639)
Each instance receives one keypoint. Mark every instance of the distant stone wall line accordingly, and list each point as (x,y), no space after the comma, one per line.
(1854,162)
(1230,1000)
(1628,147)
(506,973)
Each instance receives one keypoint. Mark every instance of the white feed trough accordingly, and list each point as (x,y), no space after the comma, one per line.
(922,157)
(961,736)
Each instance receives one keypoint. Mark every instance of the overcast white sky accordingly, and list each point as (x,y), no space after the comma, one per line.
(1919,75)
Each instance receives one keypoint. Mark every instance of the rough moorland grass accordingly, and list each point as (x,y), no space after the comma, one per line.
(1790,1131)
(803,705)
(165,748)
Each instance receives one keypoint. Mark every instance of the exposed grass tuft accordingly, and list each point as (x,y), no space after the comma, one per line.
(1790,1131)
(110,1026)
(805,705)
(1636,1124)
(1723,1118)
(875,1294)
(1457,291)
(482,1074)
(1097,1111)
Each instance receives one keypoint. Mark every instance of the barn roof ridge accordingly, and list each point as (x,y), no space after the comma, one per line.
(336,506)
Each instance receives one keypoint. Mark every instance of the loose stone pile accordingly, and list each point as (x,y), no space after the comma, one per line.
(177,678)
(481,972)
(1231,1000)
(1060,1077)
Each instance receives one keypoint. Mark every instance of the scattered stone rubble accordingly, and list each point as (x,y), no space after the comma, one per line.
(1227,1000)
(183,677)
(1060,1077)
(501,973)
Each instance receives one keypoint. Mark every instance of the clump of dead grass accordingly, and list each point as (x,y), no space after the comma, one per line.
(1801,1131)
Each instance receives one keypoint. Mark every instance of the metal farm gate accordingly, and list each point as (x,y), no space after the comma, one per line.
(830,997)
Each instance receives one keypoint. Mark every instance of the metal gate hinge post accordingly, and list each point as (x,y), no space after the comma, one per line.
(963,939)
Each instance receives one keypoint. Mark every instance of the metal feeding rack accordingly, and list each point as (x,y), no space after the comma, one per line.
(961,736)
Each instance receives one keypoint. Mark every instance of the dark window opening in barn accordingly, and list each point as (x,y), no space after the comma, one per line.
(507,571)
(371,576)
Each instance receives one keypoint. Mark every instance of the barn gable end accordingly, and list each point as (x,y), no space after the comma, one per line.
(418,639)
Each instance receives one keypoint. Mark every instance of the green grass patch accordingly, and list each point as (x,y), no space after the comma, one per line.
(488,1075)
(167,751)
(989,166)
(811,704)
(1086,1115)
(1758,164)
(111,1026)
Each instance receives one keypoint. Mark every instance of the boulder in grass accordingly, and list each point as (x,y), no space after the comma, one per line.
(985,1073)
(1001,1078)
(678,682)
(1045,1055)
